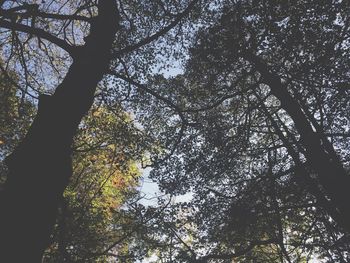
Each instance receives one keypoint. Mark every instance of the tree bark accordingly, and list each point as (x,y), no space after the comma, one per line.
(40,167)
(319,153)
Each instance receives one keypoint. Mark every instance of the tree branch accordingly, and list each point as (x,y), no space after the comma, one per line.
(40,33)
(158,34)
(242,252)
(10,14)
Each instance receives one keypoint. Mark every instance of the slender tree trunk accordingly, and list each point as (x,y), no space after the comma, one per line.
(40,167)
(320,154)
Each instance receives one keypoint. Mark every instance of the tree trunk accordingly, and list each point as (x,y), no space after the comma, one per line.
(40,167)
(320,153)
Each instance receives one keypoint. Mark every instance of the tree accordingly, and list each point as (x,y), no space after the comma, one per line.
(104,177)
(262,79)
(253,128)
(40,167)
(44,154)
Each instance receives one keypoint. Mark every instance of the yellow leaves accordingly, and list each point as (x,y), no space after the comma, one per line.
(111,147)
(105,171)
(93,158)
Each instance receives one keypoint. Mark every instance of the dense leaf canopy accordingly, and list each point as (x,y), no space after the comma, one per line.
(241,106)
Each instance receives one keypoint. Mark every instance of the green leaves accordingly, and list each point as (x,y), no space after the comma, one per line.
(243,140)
(16,114)
(105,176)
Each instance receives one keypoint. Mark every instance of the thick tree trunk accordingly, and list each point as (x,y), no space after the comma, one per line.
(319,152)
(40,167)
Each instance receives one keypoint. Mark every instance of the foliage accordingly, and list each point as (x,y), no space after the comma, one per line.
(241,154)
(105,176)
(15,117)
(229,130)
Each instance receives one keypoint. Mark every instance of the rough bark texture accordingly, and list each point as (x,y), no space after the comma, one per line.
(40,167)
(319,152)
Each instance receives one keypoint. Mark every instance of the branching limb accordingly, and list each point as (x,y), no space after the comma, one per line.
(40,33)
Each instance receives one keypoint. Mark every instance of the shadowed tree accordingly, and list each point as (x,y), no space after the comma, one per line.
(254,128)
(40,167)
(265,149)
(272,54)
(105,177)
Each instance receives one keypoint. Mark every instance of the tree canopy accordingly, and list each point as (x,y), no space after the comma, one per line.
(241,106)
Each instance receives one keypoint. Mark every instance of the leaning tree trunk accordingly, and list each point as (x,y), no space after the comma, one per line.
(40,167)
(318,150)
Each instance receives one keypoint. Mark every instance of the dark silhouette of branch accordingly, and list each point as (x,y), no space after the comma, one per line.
(32,11)
(168,102)
(239,253)
(40,33)
(140,86)
(301,173)
(158,34)
(132,231)
(337,134)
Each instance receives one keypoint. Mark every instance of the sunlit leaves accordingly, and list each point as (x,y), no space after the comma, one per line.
(105,175)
